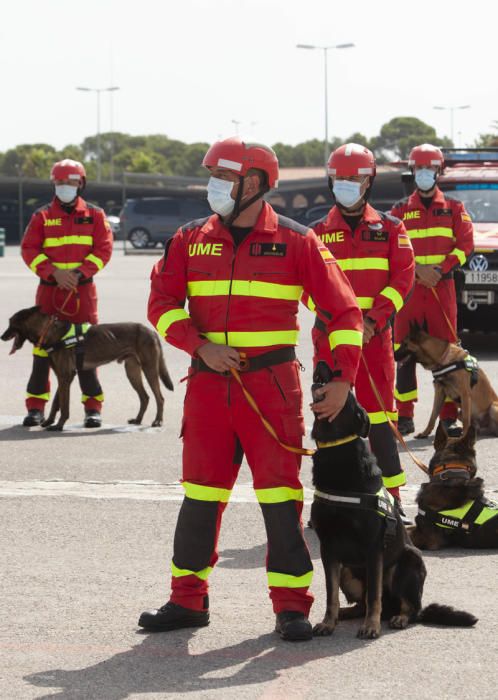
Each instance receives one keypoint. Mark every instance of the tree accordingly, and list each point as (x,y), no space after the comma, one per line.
(488,140)
(401,134)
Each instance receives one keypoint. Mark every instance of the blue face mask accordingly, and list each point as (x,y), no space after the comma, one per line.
(425,179)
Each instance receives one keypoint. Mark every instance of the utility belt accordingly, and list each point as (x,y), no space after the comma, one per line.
(85,280)
(252,364)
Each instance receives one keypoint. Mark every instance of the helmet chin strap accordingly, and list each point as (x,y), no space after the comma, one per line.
(240,206)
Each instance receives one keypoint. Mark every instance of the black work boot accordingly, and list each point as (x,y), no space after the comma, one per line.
(93,419)
(173,617)
(451,428)
(406,425)
(293,626)
(34,417)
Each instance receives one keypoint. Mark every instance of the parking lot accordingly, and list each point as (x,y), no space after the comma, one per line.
(87,526)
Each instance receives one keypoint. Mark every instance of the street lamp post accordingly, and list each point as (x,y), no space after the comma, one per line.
(451,111)
(325,49)
(98,91)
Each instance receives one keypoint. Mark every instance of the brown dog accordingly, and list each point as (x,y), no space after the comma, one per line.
(453,511)
(466,383)
(132,343)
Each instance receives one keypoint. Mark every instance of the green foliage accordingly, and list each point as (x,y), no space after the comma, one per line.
(488,140)
(401,134)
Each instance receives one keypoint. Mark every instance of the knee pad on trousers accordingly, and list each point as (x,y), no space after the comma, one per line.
(195,534)
(383,445)
(406,376)
(38,381)
(287,551)
(89,382)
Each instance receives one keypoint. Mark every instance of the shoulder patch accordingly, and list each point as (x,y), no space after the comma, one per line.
(195,223)
(400,202)
(45,207)
(390,217)
(292,225)
(94,207)
(318,221)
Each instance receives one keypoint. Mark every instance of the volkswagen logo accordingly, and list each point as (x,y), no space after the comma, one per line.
(479,263)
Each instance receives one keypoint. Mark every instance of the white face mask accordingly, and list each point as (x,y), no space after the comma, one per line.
(425,179)
(66,193)
(347,193)
(218,195)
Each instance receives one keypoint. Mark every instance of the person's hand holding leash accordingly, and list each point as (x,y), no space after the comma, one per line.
(368,330)
(427,275)
(219,357)
(334,397)
(66,279)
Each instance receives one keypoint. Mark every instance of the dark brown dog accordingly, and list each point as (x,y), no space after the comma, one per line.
(453,511)
(364,546)
(479,402)
(132,343)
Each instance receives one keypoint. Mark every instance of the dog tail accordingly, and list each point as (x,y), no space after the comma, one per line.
(163,372)
(436,614)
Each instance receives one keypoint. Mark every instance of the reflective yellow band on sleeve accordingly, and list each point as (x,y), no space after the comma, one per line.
(43,397)
(406,396)
(310,304)
(458,253)
(170,317)
(255,339)
(429,259)
(279,494)
(40,352)
(433,232)
(202,574)
(396,346)
(391,482)
(95,260)
(39,259)
(345,338)
(198,492)
(66,265)
(365,302)
(98,397)
(378,417)
(54,242)
(394,296)
(364,264)
(248,288)
(288,581)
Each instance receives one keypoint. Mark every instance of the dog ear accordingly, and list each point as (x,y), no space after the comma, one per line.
(322,374)
(441,438)
(469,439)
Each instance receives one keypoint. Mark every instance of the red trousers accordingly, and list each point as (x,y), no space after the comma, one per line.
(427,310)
(218,422)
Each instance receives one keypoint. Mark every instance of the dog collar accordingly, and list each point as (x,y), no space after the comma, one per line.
(335,443)
(440,470)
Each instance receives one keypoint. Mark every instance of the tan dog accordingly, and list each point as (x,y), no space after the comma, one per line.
(467,383)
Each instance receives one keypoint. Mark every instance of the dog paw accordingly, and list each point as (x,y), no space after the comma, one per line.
(157,423)
(398,622)
(368,632)
(45,423)
(421,436)
(323,629)
(54,428)
(134,421)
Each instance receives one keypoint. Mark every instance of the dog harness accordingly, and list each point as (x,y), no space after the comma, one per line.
(466,518)
(74,338)
(469,363)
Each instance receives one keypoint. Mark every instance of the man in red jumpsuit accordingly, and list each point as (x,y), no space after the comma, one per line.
(65,244)
(243,271)
(374,252)
(441,234)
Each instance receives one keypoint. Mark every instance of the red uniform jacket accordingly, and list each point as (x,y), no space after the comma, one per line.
(377,259)
(442,234)
(80,240)
(248,298)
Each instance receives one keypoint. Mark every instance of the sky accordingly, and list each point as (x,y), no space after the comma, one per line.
(199,70)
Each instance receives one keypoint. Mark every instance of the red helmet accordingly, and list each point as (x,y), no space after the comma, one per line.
(351,159)
(426,155)
(68,169)
(239,157)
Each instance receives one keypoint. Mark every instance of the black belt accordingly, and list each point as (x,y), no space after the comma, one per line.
(86,280)
(252,364)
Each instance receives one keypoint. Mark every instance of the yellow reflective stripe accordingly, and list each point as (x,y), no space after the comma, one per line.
(53,242)
(365,302)
(391,482)
(205,493)
(39,259)
(345,338)
(40,352)
(98,397)
(44,397)
(396,346)
(72,330)
(429,259)
(170,317)
(279,494)
(202,574)
(66,266)
(485,515)
(288,581)
(458,253)
(364,264)
(95,260)
(310,304)
(255,288)
(407,396)
(378,417)
(458,512)
(255,339)
(434,232)
(394,296)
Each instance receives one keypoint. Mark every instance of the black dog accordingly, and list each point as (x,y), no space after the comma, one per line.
(364,546)
(453,510)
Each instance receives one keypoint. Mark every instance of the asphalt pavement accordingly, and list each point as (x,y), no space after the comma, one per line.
(87,521)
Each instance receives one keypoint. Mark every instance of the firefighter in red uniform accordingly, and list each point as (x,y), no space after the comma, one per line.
(441,233)
(243,271)
(374,251)
(66,243)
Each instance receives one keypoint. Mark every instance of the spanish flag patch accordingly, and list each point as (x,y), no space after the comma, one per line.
(404,242)
(326,254)
(466,217)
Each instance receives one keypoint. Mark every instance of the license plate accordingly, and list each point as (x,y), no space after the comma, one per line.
(489,277)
